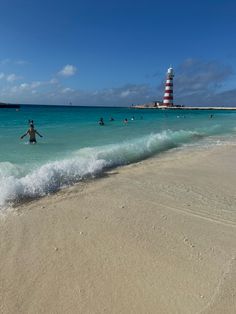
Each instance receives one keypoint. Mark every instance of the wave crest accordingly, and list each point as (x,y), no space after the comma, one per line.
(16,184)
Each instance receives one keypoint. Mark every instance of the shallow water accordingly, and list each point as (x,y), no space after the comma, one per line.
(75,146)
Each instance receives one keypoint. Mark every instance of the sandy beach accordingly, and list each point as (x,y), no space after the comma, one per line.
(153,237)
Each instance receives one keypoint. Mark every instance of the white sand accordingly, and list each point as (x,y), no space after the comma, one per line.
(154,237)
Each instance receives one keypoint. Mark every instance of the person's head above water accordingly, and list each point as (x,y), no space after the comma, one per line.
(31,123)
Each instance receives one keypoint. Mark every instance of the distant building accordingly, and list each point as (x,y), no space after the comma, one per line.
(157,103)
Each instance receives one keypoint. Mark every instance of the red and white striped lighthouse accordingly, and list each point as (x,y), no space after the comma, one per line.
(168,96)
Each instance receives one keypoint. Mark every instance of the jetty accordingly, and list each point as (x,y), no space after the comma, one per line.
(150,106)
(204,108)
(6,106)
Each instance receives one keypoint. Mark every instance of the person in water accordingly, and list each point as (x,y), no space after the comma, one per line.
(32,134)
(101,122)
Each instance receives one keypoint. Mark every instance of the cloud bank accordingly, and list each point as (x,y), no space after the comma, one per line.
(196,82)
(202,83)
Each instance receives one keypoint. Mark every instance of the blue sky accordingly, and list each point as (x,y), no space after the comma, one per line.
(117,52)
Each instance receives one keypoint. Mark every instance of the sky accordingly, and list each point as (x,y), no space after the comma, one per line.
(116,53)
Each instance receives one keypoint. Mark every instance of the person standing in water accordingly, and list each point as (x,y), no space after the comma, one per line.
(101,122)
(32,134)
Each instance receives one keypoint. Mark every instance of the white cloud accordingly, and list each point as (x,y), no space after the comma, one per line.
(8,61)
(31,87)
(21,62)
(13,77)
(2,75)
(125,93)
(24,86)
(67,90)
(19,88)
(36,84)
(128,93)
(53,81)
(68,70)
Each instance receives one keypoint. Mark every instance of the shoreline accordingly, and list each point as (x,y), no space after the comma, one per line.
(156,236)
(181,108)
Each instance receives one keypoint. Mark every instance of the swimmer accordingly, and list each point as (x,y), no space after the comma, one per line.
(31,132)
(112,119)
(101,122)
(125,120)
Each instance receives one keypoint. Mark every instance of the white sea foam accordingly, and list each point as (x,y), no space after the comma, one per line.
(17,183)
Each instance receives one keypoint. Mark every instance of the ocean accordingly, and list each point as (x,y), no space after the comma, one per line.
(75,147)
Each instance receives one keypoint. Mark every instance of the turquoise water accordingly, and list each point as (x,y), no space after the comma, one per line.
(74,146)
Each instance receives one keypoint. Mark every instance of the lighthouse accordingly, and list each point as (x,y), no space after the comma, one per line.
(168,96)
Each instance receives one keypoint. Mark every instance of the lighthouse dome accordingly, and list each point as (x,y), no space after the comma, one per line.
(170,71)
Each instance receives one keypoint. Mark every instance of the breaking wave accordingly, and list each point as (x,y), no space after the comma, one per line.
(18,183)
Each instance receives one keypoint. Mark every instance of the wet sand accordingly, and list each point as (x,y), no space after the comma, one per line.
(154,237)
